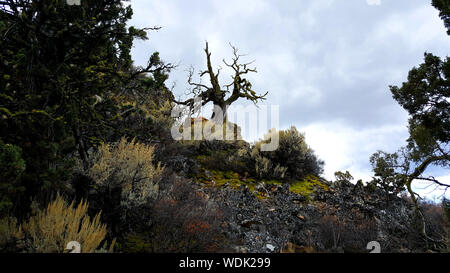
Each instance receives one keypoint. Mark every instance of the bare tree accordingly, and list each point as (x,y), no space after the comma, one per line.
(240,87)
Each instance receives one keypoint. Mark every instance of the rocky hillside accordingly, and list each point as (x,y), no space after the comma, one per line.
(343,218)
(309,215)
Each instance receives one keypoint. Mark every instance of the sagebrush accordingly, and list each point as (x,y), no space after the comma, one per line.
(51,229)
(128,166)
(293,159)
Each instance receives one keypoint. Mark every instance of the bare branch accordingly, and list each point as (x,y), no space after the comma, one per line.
(190,82)
(152,68)
(434,180)
(152,28)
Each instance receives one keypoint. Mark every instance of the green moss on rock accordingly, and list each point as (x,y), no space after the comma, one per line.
(307,186)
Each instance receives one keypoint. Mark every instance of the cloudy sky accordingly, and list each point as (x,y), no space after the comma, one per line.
(326,63)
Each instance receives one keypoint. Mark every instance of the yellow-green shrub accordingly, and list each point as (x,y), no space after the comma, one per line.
(129,166)
(265,168)
(51,229)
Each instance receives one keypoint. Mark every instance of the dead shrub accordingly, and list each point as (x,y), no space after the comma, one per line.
(350,235)
(437,224)
(183,221)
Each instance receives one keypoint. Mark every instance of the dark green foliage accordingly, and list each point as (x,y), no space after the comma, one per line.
(341,176)
(296,155)
(385,167)
(63,68)
(426,97)
(8,229)
(444,12)
(11,168)
(223,156)
(145,108)
(293,156)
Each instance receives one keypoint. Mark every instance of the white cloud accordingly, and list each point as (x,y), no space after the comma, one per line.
(409,29)
(346,148)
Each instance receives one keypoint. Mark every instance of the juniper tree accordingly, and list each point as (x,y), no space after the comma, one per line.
(426,97)
(61,65)
(444,12)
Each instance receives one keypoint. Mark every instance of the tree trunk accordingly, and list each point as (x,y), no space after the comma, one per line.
(81,147)
(224,108)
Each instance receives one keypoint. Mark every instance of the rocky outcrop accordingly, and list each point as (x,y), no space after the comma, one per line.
(343,218)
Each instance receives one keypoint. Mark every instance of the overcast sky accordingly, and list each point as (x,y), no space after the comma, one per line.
(326,63)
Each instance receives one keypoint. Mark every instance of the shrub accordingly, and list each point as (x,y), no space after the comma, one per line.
(293,159)
(265,168)
(341,176)
(384,167)
(351,235)
(330,231)
(50,230)
(437,227)
(223,160)
(358,233)
(293,248)
(436,221)
(127,166)
(145,109)
(183,221)
(8,233)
